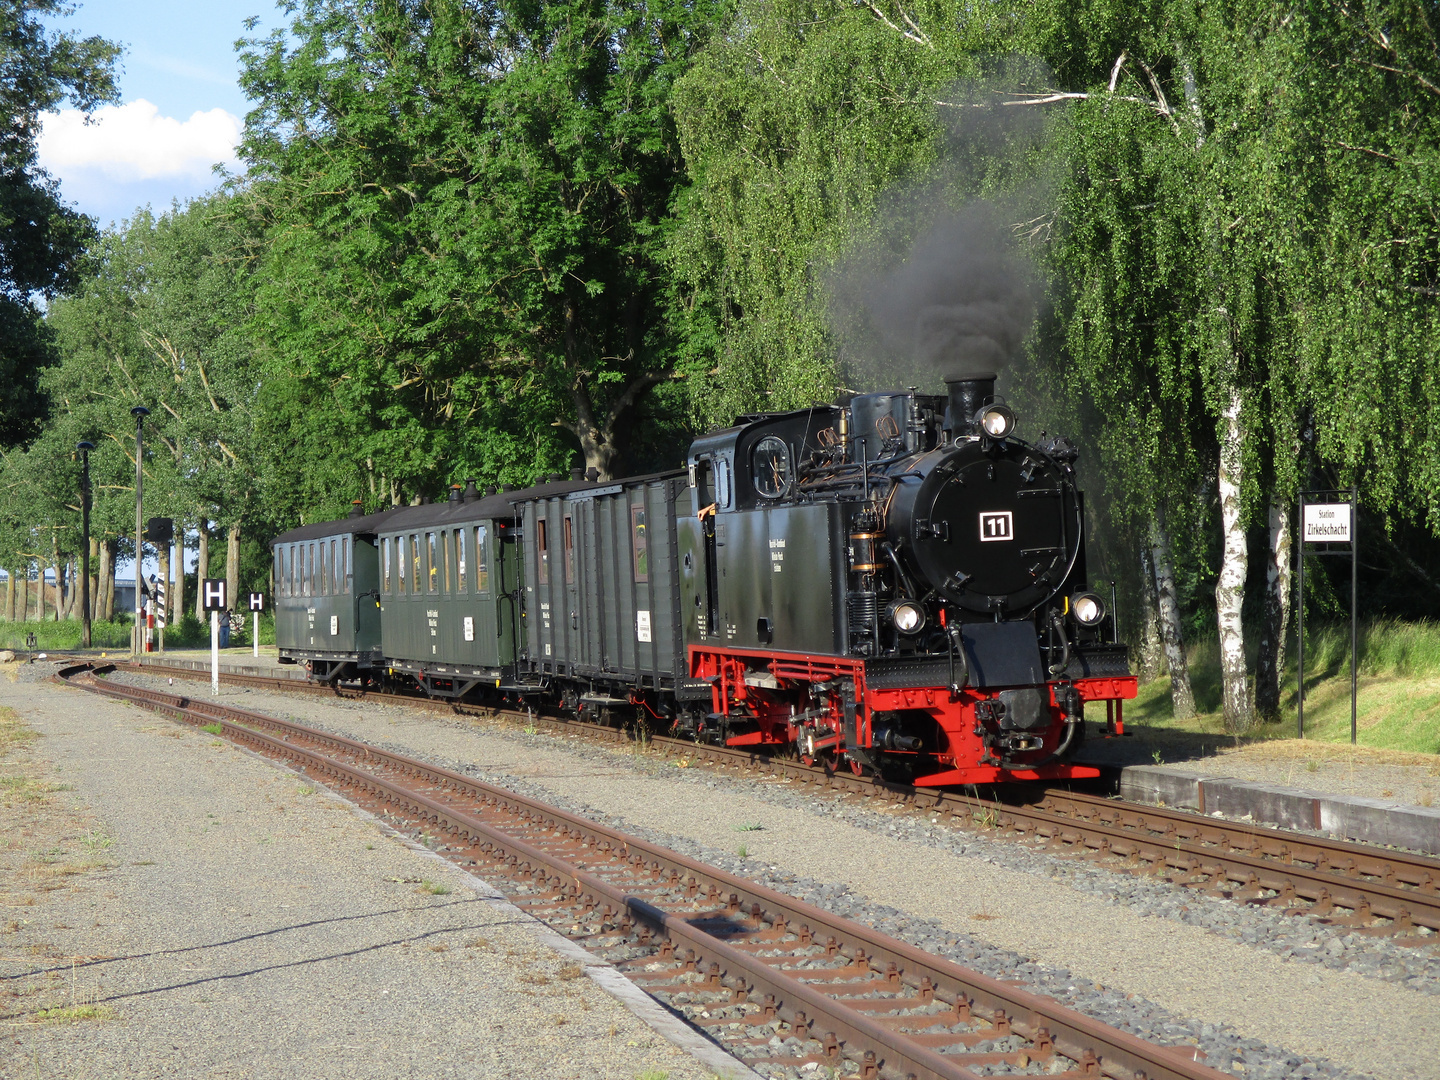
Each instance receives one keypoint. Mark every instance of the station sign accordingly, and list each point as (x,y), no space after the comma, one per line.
(1326,523)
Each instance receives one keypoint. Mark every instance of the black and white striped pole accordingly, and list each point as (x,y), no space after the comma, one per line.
(214,601)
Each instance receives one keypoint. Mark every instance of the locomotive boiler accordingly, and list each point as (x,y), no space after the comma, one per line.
(896,584)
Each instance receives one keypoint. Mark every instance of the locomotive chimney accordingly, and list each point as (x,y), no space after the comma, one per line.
(966,394)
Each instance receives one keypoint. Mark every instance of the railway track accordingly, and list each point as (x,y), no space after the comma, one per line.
(777,981)
(1358,886)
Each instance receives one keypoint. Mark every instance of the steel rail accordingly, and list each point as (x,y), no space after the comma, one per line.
(1239,858)
(1104,1050)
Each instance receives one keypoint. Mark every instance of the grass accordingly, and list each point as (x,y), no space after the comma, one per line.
(1398,699)
(70,1014)
(213,729)
(434,888)
(189,633)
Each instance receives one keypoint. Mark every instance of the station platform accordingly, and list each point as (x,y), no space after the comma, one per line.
(232,662)
(1343,792)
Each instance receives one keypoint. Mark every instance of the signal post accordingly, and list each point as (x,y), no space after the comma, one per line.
(213,598)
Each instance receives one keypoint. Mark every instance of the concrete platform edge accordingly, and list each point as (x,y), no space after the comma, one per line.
(1348,817)
(295,672)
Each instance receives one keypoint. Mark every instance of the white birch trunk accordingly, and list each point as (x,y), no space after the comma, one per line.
(1152,645)
(1182,698)
(1271,666)
(1230,588)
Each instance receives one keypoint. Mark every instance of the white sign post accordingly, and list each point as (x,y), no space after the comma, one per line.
(257,604)
(213,594)
(1332,524)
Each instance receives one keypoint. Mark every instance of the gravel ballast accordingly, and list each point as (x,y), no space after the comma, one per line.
(254,925)
(1262,993)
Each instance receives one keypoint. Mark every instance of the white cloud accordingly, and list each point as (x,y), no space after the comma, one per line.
(133,142)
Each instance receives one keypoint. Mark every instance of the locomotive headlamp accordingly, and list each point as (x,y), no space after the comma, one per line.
(1088,609)
(907,616)
(996,421)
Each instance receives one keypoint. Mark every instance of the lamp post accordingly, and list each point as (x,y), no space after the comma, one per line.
(85,448)
(137,638)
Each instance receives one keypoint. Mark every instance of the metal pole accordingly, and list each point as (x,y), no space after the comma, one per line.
(137,638)
(1300,622)
(1354,593)
(215,652)
(255,644)
(85,448)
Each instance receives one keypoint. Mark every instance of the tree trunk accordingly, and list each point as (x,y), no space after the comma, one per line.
(1182,698)
(1230,588)
(162,557)
(10,596)
(107,580)
(1152,645)
(94,577)
(202,569)
(177,589)
(38,615)
(72,598)
(1270,669)
(58,599)
(232,566)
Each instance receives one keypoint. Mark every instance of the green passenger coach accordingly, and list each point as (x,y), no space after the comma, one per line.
(449,590)
(327,578)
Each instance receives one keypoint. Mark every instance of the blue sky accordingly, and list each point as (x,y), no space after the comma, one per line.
(181,112)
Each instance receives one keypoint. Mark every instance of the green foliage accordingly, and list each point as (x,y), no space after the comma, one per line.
(60,636)
(41,239)
(463,206)
(794,125)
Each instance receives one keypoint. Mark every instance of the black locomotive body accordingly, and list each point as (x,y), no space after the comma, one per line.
(898,584)
(895,584)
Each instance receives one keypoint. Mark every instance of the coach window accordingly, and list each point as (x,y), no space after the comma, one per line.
(277,571)
(639,543)
(290,570)
(385,546)
(482,559)
(345,565)
(307,558)
(569,549)
(400,565)
(445,550)
(415,564)
(325,560)
(432,551)
(460,559)
(542,549)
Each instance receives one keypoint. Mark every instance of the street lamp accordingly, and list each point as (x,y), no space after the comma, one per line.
(137,640)
(85,448)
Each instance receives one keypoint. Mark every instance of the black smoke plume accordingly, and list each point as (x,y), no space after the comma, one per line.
(959,300)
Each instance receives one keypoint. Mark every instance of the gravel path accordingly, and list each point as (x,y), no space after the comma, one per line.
(1263,994)
(254,926)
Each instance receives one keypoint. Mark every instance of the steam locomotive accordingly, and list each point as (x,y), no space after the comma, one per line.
(894,585)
